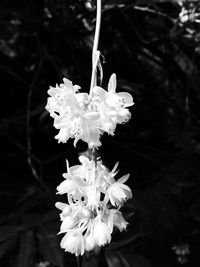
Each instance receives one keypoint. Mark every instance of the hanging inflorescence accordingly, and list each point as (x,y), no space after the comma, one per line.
(94,195)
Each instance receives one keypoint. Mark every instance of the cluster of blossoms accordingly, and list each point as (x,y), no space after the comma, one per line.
(87,116)
(94,198)
(182,252)
(94,195)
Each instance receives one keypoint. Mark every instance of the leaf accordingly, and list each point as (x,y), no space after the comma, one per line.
(49,246)
(31,219)
(123,259)
(90,259)
(51,215)
(126,241)
(136,260)
(7,245)
(27,249)
(30,202)
(8,231)
(113,258)
(4,237)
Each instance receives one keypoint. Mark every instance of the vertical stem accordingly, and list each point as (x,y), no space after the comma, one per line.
(78,261)
(95,45)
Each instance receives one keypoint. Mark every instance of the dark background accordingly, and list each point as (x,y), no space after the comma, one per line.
(155,51)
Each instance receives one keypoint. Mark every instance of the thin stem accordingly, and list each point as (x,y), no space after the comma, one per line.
(78,261)
(30,156)
(95,45)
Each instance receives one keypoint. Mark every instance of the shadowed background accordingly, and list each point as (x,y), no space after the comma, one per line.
(154,48)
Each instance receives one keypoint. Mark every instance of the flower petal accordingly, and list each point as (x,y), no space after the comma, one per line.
(112,84)
(124,178)
(127,98)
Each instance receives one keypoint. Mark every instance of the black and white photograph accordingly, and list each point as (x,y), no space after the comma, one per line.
(100,133)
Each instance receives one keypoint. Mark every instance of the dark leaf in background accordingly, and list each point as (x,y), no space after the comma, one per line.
(51,215)
(7,245)
(9,231)
(135,260)
(49,246)
(31,220)
(27,249)
(127,241)
(124,261)
(113,258)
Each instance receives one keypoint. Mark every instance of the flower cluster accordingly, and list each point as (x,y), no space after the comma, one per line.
(87,116)
(182,251)
(94,198)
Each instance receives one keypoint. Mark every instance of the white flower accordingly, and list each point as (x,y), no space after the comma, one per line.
(119,192)
(118,221)
(61,98)
(67,224)
(74,186)
(73,242)
(92,197)
(113,106)
(113,217)
(74,183)
(66,209)
(118,100)
(80,116)
(73,116)
(89,240)
(190,14)
(89,187)
(102,233)
(61,205)
(87,169)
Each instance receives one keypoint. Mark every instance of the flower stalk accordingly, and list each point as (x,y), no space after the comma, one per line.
(95,54)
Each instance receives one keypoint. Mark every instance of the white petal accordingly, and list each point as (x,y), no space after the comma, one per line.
(68,84)
(112,84)
(92,115)
(60,205)
(97,90)
(124,178)
(83,160)
(128,99)
(112,99)
(68,223)
(115,168)
(94,137)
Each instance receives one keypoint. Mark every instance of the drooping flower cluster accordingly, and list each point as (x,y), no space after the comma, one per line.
(94,198)
(87,116)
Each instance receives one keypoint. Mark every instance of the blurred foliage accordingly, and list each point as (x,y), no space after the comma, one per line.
(154,47)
